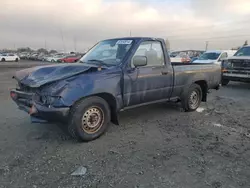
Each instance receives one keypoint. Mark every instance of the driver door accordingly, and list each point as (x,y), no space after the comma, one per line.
(151,82)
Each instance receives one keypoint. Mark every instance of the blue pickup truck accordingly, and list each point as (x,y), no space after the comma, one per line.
(114,75)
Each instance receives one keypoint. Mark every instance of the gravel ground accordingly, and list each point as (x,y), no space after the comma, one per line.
(154,146)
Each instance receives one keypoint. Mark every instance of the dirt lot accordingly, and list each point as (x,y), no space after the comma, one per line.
(155,146)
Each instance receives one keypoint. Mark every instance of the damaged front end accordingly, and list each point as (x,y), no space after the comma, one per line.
(39,91)
(42,107)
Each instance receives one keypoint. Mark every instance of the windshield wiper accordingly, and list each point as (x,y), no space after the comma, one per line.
(99,62)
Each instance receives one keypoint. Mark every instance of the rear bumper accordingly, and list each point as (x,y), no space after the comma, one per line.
(38,112)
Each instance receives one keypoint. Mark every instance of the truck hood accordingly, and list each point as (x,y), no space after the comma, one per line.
(240,57)
(204,61)
(38,76)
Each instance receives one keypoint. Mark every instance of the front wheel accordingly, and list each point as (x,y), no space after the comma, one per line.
(192,98)
(3,60)
(89,119)
(224,82)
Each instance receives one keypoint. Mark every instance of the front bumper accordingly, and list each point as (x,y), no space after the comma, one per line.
(38,113)
(242,77)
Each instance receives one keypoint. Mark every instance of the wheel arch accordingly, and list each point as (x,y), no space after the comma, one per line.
(110,99)
(204,88)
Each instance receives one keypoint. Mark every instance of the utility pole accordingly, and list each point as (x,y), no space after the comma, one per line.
(45,44)
(206,46)
(62,39)
(130,33)
(75,43)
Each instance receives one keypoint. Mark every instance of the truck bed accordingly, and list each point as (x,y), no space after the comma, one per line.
(185,64)
(184,74)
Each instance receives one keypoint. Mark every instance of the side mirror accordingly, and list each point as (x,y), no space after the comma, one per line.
(140,61)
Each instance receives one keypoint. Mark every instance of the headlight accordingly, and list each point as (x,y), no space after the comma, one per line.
(227,64)
(49,100)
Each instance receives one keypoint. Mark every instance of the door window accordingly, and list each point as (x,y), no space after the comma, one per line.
(153,51)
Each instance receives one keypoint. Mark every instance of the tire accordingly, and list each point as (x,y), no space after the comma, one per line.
(16,60)
(52,61)
(192,98)
(3,60)
(224,82)
(80,126)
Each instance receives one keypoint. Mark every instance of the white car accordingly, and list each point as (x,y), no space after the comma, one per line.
(215,56)
(9,57)
(54,58)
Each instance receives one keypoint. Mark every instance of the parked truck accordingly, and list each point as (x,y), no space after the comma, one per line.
(237,67)
(114,75)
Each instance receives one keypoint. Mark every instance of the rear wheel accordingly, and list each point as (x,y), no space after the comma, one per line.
(224,82)
(52,61)
(16,60)
(2,59)
(192,98)
(89,119)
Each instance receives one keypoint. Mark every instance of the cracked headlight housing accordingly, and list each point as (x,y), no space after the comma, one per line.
(49,100)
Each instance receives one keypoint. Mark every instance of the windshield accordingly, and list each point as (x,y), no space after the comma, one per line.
(108,52)
(209,56)
(245,51)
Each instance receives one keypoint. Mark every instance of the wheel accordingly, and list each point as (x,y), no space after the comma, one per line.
(2,59)
(192,98)
(89,118)
(16,60)
(224,82)
(52,60)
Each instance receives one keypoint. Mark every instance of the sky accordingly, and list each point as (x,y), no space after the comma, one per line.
(68,25)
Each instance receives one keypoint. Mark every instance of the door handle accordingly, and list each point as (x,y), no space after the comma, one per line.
(164,72)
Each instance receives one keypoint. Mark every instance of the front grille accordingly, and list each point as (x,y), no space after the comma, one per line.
(24,88)
(26,94)
(240,64)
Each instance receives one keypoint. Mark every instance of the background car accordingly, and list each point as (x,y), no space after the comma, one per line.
(23,55)
(9,57)
(180,58)
(70,59)
(185,56)
(33,57)
(215,56)
(54,58)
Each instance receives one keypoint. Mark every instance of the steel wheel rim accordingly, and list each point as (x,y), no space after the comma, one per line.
(92,119)
(194,99)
